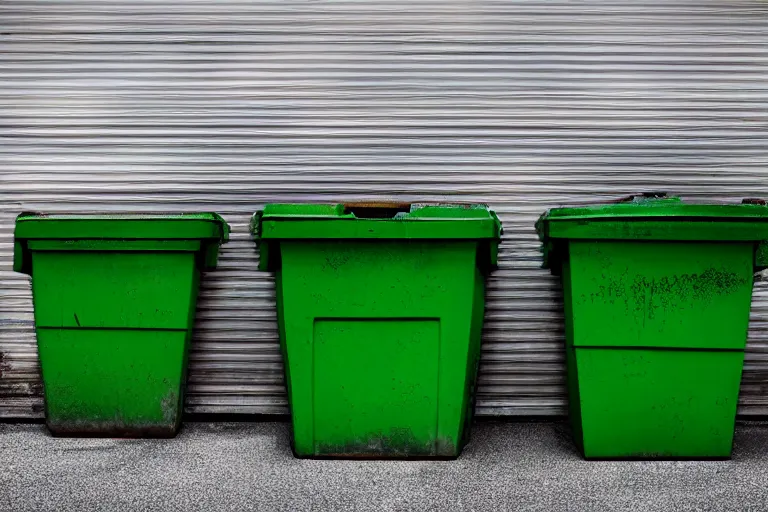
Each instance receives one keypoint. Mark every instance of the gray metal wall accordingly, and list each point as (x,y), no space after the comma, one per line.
(165,105)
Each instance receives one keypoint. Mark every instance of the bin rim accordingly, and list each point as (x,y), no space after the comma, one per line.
(394,221)
(647,206)
(400,221)
(138,226)
(657,217)
(208,228)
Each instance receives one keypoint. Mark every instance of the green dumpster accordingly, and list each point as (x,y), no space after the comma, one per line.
(114,300)
(380,311)
(657,298)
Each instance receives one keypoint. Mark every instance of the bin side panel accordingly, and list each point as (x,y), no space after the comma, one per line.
(657,403)
(113,382)
(660,294)
(574,399)
(456,282)
(280,310)
(473,354)
(364,299)
(114,289)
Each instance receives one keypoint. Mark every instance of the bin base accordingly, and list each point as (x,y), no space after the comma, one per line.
(654,403)
(382,447)
(358,456)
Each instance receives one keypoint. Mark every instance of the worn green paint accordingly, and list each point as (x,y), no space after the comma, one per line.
(380,336)
(655,327)
(114,306)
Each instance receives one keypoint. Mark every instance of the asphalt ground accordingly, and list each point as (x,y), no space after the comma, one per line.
(249,466)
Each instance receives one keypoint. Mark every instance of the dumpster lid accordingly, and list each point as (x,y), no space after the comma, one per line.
(376,220)
(654,216)
(185,226)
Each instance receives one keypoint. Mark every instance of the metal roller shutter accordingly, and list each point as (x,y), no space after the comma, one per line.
(166,105)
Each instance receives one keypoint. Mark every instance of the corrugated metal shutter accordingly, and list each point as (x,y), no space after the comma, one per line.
(163,105)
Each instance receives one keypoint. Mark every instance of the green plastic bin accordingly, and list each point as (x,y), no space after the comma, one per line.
(657,298)
(114,300)
(380,311)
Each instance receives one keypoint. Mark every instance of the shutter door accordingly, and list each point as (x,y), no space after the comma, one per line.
(223,106)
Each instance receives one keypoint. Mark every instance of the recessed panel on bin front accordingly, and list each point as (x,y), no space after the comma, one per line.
(381,396)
